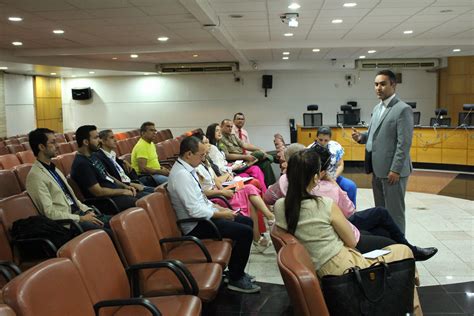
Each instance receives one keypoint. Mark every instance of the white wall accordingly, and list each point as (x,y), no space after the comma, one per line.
(19,104)
(184,102)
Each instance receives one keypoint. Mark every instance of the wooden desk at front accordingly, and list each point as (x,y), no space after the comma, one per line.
(441,146)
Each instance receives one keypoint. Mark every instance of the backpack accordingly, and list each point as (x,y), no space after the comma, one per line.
(41,227)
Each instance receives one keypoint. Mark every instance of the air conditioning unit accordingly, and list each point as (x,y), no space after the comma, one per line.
(420,63)
(196,68)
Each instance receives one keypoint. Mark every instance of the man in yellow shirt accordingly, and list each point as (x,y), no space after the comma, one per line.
(145,158)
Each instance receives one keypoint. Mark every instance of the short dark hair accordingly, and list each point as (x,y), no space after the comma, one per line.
(224,120)
(324,155)
(83,133)
(190,143)
(105,133)
(238,113)
(211,133)
(145,125)
(324,130)
(38,137)
(390,74)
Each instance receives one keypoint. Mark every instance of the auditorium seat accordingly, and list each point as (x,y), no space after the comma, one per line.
(15,148)
(104,276)
(163,217)
(21,172)
(9,184)
(123,147)
(73,144)
(60,138)
(26,145)
(160,150)
(169,152)
(120,136)
(64,148)
(4,150)
(26,156)
(23,139)
(280,237)
(159,137)
(175,143)
(127,157)
(70,136)
(168,134)
(139,244)
(64,162)
(131,143)
(12,141)
(52,288)
(9,161)
(302,285)
(21,206)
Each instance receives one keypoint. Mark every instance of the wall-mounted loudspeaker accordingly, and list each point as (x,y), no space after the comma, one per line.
(267,83)
(81,93)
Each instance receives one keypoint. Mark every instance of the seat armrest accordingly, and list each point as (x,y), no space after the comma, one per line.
(194,239)
(182,273)
(73,225)
(223,199)
(47,247)
(105,204)
(202,219)
(127,302)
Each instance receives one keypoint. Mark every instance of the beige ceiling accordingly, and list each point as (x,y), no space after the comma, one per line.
(98,30)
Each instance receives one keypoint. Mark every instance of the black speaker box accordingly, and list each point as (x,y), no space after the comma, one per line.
(81,93)
(267,81)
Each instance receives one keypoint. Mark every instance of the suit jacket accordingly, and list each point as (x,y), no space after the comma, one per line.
(48,196)
(392,140)
(110,167)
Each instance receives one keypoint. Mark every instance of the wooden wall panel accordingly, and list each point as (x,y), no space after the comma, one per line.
(456,86)
(48,103)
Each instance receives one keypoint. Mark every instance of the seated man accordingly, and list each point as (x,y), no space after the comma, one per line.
(115,166)
(49,190)
(189,201)
(234,148)
(238,128)
(91,175)
(145,158)
(336,164)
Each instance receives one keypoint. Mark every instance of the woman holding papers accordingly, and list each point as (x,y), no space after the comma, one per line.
(244,197)
(319,224)
(213,134)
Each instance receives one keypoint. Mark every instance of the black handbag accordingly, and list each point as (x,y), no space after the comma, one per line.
(382,289)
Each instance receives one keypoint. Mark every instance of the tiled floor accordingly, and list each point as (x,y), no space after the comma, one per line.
(433,219)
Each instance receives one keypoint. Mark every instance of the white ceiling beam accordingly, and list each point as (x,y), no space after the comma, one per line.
(117,50)
(351,43)
(208,18)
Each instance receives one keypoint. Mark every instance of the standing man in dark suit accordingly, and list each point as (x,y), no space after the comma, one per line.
(387,142)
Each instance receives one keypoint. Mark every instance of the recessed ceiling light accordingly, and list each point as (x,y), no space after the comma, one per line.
(285,57)
(133,56)
(336,21)
(73,76)
(408,32)
(146,73)
(456,50)
(362,57)
(58,32)
(53,74)
(92,72)
(349,4)
(288,34)
(294,6)
(316,50)
(114,58)
(3,68)
(446,11)
(236,16)
(286,53)
(371,51)
(163,38)
(195,55)
(17,43)
(15,19)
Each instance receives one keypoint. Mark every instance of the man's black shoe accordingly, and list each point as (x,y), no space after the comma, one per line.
(422,254)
